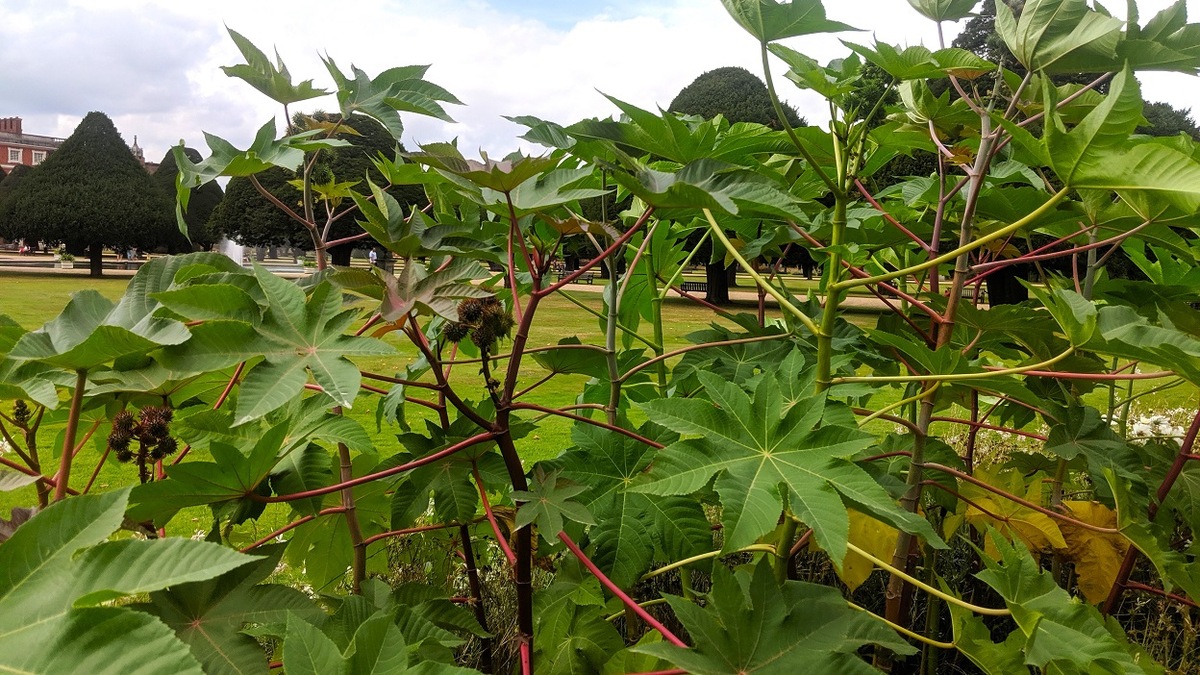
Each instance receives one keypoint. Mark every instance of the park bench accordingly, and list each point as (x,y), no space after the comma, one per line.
(585,278)
(694,287)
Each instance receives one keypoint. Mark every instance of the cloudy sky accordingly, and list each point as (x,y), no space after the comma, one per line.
(153,65)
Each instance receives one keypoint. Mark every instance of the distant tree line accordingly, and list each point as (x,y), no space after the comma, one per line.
(92,194)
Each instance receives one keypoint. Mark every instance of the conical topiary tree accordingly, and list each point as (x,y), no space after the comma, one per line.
(91,193)
(734,92)
(7,185)
(204,199)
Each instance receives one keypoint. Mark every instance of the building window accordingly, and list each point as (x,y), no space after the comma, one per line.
(39,156)
(14,155)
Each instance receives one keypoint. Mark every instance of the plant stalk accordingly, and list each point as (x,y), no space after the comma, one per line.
(68,449)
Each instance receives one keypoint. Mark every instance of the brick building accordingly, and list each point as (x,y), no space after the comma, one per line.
(18,147)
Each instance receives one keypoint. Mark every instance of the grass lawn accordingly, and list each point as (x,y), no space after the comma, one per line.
(32,300)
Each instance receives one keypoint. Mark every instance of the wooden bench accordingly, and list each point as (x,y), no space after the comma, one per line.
(694,287)
(585,278)
(969,293)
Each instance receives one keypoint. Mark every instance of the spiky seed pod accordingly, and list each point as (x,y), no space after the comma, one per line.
(21,412)
(470,310)
(483,336)
(506,324)
(455,332)
(124,455)
(165,448)
(156,422)
(122,428)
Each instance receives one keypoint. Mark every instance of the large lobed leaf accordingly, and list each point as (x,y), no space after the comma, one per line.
(297,335)
(56,567)
(755,626)
(1061,634)
(768,20)
(766,456)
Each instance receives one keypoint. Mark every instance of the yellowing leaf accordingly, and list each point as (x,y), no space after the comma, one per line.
(1038,531)
(873,537)
(1097,556)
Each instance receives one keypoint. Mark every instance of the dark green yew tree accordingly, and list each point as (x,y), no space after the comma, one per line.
(204,201)
(251,218)
(91,193)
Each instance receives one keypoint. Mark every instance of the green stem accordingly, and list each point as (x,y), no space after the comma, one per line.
(656,320)
(787,535)
(682,266)
(976,244)
(752,548)
(936,592)
(782,299)
(614,292)
(787,126)
(833,298)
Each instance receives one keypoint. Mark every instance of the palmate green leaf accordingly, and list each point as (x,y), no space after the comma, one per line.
(303,470)
(58,563)
(385,96)
(1058,36)
(228,481)
(572,635)
(296,336)
(548,502)
(837,79)
(406,630)
(944,10)
(227,160)
(431,291)
(1099,153)
(90,332)
(209,615)
(752,625)
(499,175)
(308,651)
(547,190)
(274,80)
(1061,633)
(1166,42)
(1152,538)
(322,547)
(455,497)
(581,361)
(1122,331)
(406,236)
(163,274)
(664,135)
(974,640)
(768,20)
(1074,314)
(631,526)
(765,456)
(307,420)
(1083,432)
(711,184)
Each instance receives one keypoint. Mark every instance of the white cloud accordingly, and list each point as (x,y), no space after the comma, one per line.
(153,65)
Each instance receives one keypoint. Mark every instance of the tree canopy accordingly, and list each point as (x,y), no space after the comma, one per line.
(248,217)
(734,92)
(1163,119)
(90,193)
(203,201)
(7,185)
